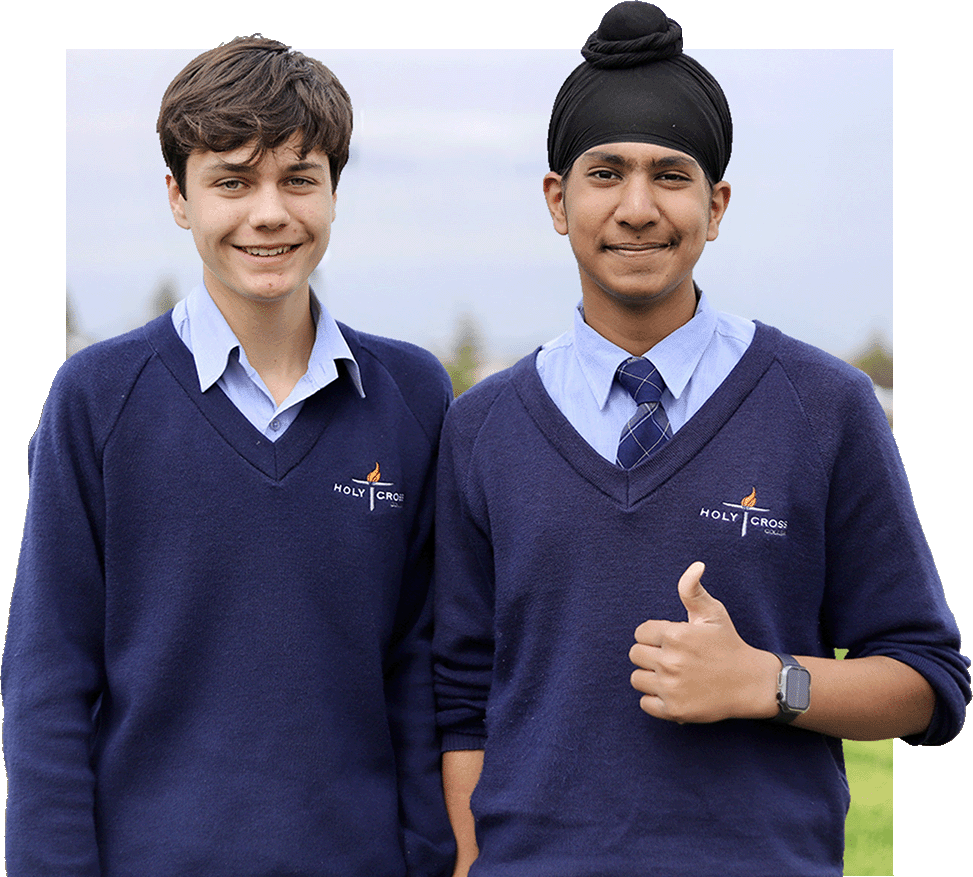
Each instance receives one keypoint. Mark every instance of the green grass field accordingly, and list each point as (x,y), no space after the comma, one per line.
(868,829)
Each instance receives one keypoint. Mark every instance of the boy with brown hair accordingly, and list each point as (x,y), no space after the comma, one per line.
(217,658)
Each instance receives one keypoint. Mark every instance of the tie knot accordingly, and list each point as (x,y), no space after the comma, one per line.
(641,379)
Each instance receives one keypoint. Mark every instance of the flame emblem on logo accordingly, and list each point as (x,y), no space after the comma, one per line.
(372,479)
(747,504)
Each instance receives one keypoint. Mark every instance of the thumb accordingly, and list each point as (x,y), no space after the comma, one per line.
(700,605)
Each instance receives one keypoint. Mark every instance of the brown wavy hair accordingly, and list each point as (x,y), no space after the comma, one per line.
(254,90)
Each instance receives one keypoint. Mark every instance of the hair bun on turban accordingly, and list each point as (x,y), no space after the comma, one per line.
(637,86)
(633,33)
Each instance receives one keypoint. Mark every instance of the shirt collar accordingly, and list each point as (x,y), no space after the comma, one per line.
(329,347)
(675,356)
(212,343)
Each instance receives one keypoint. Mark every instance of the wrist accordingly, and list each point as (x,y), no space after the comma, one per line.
(759,699)
(793,689)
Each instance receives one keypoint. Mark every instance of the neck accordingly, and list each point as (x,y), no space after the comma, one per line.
(276,336)
(638,327)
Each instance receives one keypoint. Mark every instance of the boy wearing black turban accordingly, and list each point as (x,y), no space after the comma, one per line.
(581,493)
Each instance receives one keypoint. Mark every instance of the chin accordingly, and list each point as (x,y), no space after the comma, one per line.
(270,296)
(640,299)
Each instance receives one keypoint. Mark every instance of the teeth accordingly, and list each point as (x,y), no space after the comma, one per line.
(264,251)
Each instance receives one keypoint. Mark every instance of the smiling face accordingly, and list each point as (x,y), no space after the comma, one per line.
(638,216)
(260,228)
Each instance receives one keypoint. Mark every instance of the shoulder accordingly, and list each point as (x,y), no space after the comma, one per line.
(414,374)
(93,386)
(99,377)
(837,401)
(402,360)
(493,405)
(476,402)
(818,374)
(103,357)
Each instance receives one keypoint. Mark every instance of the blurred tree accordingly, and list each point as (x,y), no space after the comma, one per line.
(72,323)
(74,338)
(165,298)
(463,364)
(875,359)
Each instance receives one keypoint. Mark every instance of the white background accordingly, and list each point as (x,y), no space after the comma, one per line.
(931,287)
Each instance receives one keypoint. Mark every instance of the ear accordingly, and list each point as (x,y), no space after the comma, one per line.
(554,195)
(176,202)
(719,201)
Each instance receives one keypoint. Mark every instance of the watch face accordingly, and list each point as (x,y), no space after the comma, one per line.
(797,689)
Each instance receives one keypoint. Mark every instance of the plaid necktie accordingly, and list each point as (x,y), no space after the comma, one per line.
(649,429)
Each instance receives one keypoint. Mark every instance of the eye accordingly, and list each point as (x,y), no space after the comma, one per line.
(674,177)
(230,185)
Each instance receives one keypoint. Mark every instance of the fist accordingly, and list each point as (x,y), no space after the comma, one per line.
(700,670)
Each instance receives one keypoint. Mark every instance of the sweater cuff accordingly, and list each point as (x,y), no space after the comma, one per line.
(454,741)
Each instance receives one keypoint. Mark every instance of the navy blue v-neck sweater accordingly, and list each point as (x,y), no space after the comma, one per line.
(217,659)
(788,485)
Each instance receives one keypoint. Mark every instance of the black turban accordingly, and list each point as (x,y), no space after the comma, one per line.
(636,85)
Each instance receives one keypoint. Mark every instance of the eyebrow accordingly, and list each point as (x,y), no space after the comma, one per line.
(680,161)
(242,168)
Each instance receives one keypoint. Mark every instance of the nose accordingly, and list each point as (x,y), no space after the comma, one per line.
(637,204)
(268,208)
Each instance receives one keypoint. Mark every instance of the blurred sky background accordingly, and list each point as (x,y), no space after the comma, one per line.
(931,82)
(440,209)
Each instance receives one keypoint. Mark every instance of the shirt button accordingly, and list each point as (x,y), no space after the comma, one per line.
(275,424)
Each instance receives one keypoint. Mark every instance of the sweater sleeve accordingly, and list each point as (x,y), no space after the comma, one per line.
(427,838)
(464,636)
(53,668)
(884,595)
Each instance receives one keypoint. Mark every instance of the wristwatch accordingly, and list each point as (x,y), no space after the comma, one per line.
(793,690)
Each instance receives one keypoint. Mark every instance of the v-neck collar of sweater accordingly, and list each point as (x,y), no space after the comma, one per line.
(629,486)
(273,459)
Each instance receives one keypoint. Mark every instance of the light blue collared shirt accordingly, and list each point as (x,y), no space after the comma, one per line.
(578,371)
(220,359)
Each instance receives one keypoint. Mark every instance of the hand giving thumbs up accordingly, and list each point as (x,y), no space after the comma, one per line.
(700,670)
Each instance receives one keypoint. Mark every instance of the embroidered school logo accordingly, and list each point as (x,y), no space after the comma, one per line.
(748,515)
(373,485)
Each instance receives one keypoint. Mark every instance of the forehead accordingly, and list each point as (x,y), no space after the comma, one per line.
(252,157)
(628,154)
